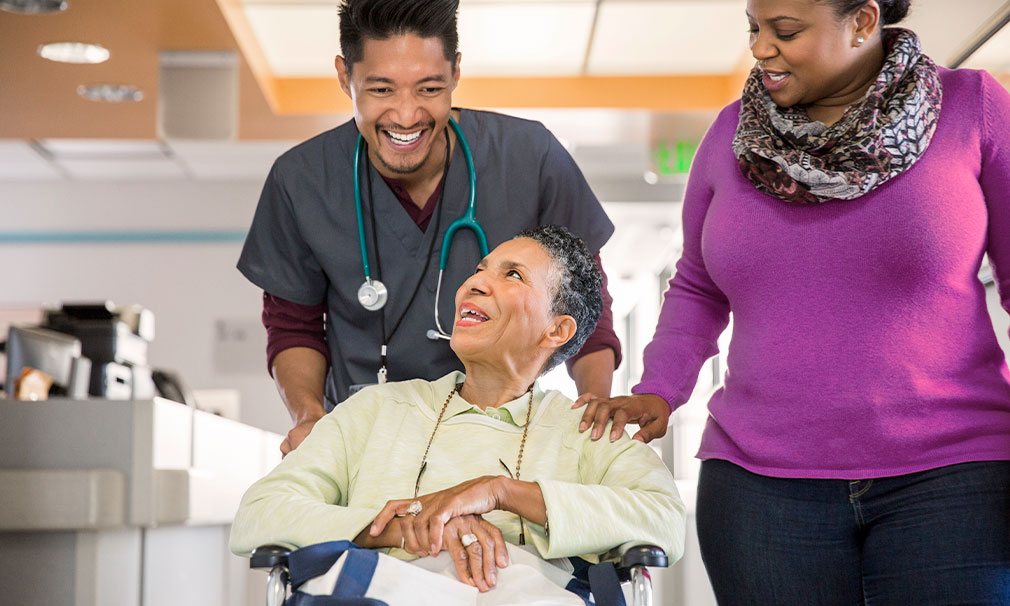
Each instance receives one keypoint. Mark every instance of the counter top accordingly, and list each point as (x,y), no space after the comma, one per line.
(78,464)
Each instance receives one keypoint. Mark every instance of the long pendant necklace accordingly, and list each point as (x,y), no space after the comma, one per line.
(519,461)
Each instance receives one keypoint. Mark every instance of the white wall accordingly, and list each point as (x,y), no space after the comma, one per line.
(192,287)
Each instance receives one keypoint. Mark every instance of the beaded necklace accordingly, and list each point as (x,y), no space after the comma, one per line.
(519,461)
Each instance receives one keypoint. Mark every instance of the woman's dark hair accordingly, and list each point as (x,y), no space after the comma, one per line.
(577,291)
(383,19)
(891,11)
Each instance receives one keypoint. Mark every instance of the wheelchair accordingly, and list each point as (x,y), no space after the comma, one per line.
(630,561)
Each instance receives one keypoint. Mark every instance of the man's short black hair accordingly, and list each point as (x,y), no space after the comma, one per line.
(384,19)
(577,290)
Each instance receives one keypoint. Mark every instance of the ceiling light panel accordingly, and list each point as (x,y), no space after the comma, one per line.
(110,93)
(668,38)
(524,38)
(299,40)
(34,7)
(74,52)
(218,161)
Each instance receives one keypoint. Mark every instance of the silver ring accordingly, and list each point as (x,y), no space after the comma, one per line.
(468,539)
(403,540)
(414,508)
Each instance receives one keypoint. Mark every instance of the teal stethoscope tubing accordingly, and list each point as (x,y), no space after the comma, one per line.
(466,221)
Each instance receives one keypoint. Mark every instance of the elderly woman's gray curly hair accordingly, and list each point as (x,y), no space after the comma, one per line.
(576,288)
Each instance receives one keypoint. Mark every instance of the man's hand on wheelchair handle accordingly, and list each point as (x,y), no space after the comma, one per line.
(650,412)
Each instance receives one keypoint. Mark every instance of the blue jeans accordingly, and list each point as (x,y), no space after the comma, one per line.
(935,537)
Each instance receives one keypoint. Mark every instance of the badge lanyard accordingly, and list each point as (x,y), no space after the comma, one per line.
(387,337)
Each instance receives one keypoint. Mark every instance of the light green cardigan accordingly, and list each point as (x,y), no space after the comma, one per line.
(368,451)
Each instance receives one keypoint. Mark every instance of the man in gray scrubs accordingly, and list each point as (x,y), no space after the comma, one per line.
(400,66)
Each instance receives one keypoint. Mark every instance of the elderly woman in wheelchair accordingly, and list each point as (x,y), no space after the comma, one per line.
(474,461)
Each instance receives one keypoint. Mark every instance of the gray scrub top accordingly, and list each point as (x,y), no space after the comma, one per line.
(303,244)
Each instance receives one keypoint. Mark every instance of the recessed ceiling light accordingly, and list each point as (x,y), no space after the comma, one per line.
(34,7)
(74,52)
(110,93)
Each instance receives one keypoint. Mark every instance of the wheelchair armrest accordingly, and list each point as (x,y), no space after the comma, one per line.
(269,556)
(637,554)
(645,555)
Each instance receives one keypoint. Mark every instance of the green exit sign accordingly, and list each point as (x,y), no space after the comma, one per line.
(674,158)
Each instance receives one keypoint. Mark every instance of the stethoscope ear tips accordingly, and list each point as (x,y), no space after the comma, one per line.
(434,335)
(372,295)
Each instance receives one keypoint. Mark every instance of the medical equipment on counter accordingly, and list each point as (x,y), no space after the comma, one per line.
(116,340)
(56,354)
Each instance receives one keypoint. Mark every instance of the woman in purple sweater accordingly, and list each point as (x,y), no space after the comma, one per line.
(859,450)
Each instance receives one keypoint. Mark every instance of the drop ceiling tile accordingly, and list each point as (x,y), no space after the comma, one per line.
(669,37)
(122,169)
(496,38)
(299,40)
(524,38)
(103,148)
(215,161)
(20,162)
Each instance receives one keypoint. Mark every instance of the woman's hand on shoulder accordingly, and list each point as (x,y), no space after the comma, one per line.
(650,412)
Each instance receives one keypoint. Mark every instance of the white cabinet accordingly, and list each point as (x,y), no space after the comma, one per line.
(124,503)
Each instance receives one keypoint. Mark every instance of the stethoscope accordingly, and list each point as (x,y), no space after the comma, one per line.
(373,293)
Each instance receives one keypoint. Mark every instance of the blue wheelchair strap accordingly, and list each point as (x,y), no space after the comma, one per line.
(300,599)
(356,574)
(312,561)
(605,586)
(579,585)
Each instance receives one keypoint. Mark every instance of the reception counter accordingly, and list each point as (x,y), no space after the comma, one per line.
(124,503)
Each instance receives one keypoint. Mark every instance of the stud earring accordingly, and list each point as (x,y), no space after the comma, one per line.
(860,40)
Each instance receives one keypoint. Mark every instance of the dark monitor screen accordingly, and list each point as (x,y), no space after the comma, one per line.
(47,350)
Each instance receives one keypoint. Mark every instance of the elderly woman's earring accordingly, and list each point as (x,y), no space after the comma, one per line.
(860,40)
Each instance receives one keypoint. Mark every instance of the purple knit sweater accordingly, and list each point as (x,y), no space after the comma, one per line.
(861,342)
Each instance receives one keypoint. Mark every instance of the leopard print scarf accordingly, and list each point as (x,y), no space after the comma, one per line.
(786,154)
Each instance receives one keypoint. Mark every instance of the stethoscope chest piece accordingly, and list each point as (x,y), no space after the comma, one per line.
(372,295)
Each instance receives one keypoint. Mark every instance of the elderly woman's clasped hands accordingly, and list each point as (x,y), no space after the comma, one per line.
(450,520)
